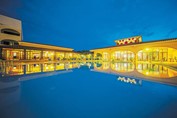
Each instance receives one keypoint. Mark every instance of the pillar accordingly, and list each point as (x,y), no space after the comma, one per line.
(42,53)
(41,65)
(167,55)
(24,66)
(24,57)
(158,56)
(55,66)
(0,53)
(54,56)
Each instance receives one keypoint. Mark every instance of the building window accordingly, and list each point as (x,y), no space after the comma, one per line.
(9,42)
(10,32)
(6,43)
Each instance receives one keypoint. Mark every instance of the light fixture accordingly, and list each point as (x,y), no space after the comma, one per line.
(147,49)
(147,73)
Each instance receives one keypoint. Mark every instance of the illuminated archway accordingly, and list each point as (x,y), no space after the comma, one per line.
(97,65)
(122,67)
(102,66)
(97,56)
(123,56)
(157,54)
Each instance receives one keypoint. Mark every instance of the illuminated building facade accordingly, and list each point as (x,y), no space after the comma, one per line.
(134,50)
(12,46)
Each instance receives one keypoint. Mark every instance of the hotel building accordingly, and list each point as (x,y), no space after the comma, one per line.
(12,46)
(132,49)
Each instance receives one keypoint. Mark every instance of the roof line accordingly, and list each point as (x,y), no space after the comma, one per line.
(137,43)
(33,48)
(46,44)
(128,37)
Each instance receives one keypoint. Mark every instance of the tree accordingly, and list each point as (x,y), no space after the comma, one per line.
(99,55)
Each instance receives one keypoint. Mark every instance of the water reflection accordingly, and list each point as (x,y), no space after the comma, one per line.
(36,68)
(150,70)
(12,76)
(122,67)
(42,75)
(13,70)
(156,70)
(9,88)
(19,96)
(130,80)
(33,68)
(141,70)
(145,71)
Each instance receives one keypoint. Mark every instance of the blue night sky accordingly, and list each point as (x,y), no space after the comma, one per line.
(88,24)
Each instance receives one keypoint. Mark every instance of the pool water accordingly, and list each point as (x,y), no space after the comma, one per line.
(87,91)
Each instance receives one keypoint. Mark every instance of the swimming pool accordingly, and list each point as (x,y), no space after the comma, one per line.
(88,90)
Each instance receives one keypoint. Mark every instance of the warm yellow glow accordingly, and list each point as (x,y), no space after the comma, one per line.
(60,66)
(15,54)
(125,64)
(147,49)
(139,54)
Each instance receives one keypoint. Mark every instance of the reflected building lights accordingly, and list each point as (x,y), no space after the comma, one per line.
(35,68)
(129,80)
(142,69)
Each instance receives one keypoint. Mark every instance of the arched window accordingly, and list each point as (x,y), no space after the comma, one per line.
(10,31)
(9,42)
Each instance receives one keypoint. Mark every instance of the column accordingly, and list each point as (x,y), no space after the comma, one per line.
(158,56)
(41,65)
(42,54)
(54,55)
(109,56)
(135,57)
(0,53)
(64,56)
(167,55)
(24,69)
(24,56)
(55,66)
